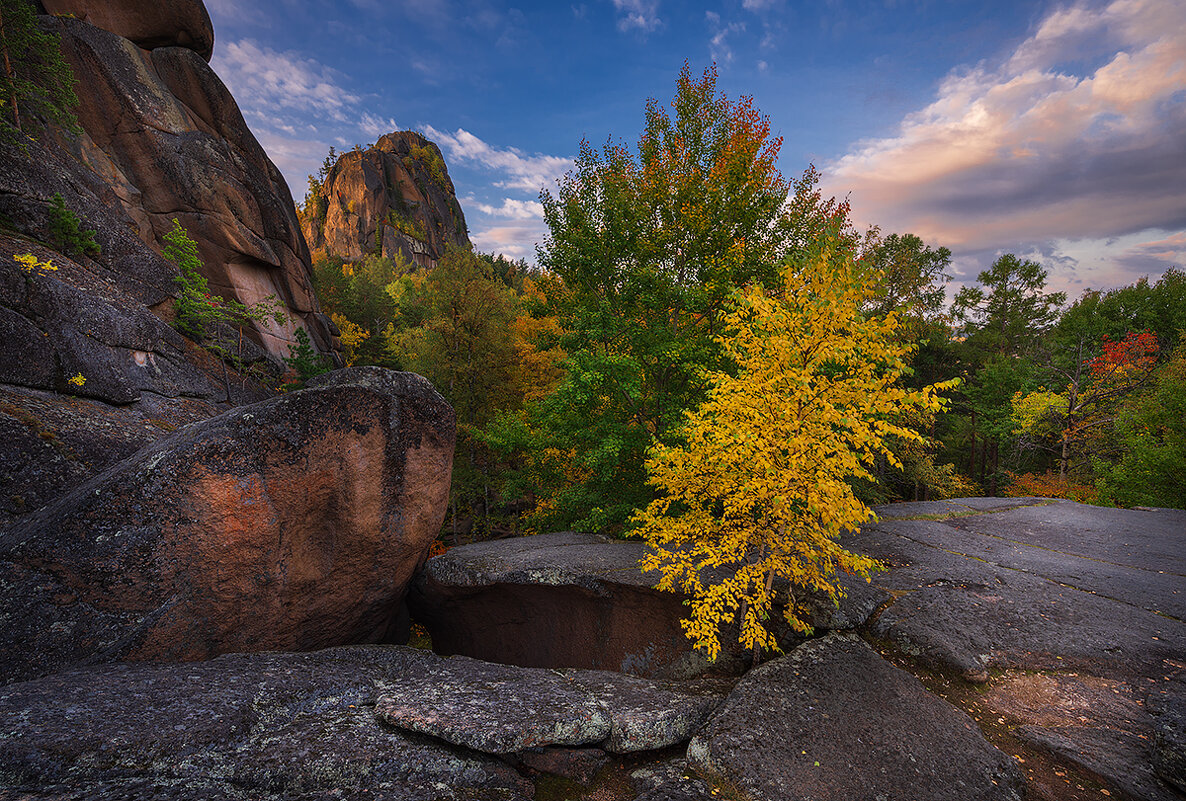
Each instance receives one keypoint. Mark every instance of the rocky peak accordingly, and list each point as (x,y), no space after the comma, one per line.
(178,23)
(393,197)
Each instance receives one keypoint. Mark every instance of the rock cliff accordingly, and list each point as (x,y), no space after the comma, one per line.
(395,197)
(90,369)
(162,138)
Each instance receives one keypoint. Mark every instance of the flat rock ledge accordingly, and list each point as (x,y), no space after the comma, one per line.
(833,720)
(580,600)
(360,721)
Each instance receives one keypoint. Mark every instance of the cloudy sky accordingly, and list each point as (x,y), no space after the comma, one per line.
(1056,131)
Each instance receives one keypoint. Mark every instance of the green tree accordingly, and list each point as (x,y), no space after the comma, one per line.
(1152,428)
(647,247)
(761,490)
(1010,311)
(913,279)
(1005,320)
(36,80)
(66,231)
(218,323)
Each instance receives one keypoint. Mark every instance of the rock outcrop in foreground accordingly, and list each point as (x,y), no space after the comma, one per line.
(814,723)
(290,524)
(1058,626)
(398,723)
(579,600)
(393,198)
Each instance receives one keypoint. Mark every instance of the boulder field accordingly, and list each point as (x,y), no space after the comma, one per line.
(986,662)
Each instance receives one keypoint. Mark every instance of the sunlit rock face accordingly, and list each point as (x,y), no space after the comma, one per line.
(393,198)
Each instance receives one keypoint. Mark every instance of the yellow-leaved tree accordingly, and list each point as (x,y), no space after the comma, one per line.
(759,489)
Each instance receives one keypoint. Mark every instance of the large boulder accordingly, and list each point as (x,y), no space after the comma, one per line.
(244,726)
(994,589)
(294,523)
(179,23)
(393,198)
(833,720)
(580,600)
(1032,584)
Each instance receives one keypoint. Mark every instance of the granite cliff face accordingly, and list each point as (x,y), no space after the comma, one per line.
(162,138)
(395,197)
(90,369)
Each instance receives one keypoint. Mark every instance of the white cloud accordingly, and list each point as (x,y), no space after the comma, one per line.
(642,15)
(1030,152)
(718,44)
(375,126)
(262,78)
(510,209)
(526,172)
(517,242)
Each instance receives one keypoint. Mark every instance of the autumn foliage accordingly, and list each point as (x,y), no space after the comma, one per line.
(760,491)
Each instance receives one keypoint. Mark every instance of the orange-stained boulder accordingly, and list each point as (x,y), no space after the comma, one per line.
(295,523)
(176,23)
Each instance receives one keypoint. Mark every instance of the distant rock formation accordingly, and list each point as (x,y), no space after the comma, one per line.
(395,197)
(162,138)
(294,523)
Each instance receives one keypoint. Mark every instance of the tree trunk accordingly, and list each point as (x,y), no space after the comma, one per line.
(8,72)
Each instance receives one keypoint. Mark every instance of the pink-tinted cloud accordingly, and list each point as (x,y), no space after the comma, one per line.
(1029,151)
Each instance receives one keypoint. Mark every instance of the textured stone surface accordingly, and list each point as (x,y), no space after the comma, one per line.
(502,709)
(672,780)
(578,600)
(496,709)
(162,138)
(1096,724)
(243,726)
(181,23)
(294,523)
(388,198)
(1091,596)
(1045,585)
(1168,704)
(578,764)
(834,720)
(648,715)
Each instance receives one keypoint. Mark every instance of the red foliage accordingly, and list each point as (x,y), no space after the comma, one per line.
(1135,351)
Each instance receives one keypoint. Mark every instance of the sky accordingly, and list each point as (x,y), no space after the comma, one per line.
(1051,130)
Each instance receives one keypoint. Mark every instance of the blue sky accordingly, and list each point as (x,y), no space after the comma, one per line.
(1056,131)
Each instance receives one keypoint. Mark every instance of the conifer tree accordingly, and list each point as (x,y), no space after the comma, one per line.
(35,80)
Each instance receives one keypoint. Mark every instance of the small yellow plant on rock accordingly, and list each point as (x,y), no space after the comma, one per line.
(32,266)
(77,380)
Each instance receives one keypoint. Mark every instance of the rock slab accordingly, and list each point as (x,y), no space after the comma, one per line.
(504,709)
(833,720)
(290,524)
(242,726)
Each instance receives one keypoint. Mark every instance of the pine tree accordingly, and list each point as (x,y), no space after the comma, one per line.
(35,80)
